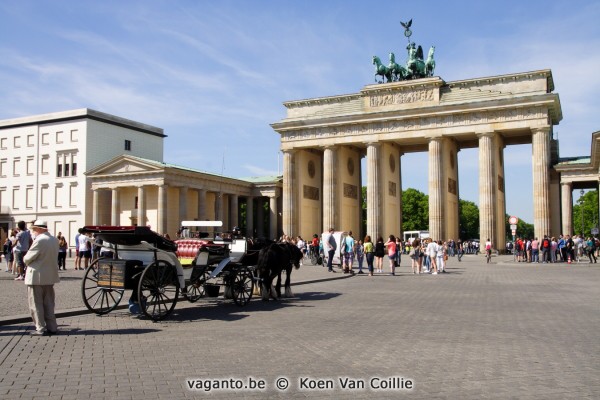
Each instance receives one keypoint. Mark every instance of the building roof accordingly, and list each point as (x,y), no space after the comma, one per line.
(81,113)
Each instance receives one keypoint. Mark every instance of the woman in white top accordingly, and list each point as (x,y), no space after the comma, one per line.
(432,249)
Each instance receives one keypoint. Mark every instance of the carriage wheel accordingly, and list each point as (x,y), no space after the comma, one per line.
(195,290)
(158,290)
(99,300)
(242,286)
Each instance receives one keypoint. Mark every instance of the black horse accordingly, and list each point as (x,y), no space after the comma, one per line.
(272,261)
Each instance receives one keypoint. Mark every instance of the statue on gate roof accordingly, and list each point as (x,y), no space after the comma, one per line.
(415,67)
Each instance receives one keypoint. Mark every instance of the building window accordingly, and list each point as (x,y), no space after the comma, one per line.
(16,198)
(57,195)
(3,142)
(74,135)
(16,167)
(3,167)
(59,137)
(44,193)
(30,166)
(30,140)
(66,164)
(29,197)
(73,196)
(128,145)
(45,138)
(45,164)
(17,142)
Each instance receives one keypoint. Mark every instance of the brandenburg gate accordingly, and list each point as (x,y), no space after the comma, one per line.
(323,140)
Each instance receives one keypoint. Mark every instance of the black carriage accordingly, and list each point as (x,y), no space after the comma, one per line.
(146,263)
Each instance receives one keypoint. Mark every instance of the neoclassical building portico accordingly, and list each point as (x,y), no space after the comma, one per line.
(324,139)
(130,190)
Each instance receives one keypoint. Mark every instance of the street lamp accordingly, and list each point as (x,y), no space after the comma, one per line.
(581,210)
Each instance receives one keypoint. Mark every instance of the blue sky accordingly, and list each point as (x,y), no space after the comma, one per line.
(214,74)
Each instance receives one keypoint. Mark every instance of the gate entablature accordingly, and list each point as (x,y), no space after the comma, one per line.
(409,110)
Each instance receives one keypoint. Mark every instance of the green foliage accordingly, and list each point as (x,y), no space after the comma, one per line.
(415,210)
(524,230)
(468,215)
(585,213)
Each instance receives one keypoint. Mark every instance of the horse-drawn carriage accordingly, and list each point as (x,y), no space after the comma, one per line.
(146,263)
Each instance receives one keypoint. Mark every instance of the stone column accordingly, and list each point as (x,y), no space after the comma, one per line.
(260,217)
(201,204)
(487,192)
(233,210)
(329,189)
(162,210)
(436,190)
(183,192)
(567,208)
(250,216)
(373,191)
(95,207)
(289,200)
(114,209)
(273,217)
(141,211)
(541,181)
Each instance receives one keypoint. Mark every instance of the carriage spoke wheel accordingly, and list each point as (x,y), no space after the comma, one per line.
(97,299)
(314,258)
(195,290)
(243,286)
(158,290)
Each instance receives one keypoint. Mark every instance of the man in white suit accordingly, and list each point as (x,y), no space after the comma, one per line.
(40,278)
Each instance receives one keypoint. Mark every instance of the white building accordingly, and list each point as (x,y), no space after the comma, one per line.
(85,167)
(43,159)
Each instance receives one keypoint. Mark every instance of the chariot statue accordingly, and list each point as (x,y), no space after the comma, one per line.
(416,66)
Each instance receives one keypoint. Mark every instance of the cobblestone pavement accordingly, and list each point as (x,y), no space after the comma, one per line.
(503,330)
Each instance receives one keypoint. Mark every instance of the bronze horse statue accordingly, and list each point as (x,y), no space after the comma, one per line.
(381,70)
(399,73)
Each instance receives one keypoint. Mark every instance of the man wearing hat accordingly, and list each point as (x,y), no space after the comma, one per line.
(40,278)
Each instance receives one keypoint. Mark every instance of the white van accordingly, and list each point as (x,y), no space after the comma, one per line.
(340,238)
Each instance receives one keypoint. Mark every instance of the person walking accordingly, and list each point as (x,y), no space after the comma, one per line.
(62,253)
(379,253)
(432,249)
(415,256)
(348,253)
(7,249)
(369,253)
(391,252)
(40,278)
(330,246)
(22,243)
(359,250)
(591,249)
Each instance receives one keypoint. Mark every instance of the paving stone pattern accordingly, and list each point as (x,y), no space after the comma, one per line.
(496,331)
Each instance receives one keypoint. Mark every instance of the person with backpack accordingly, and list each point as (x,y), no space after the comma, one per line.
(545,249)
(591,249)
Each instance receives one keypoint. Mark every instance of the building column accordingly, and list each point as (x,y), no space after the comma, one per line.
(141,211)
(541,181)
(201,204)
(233,210)
(487,192)
(249,216)
(260,217)
(373,191)
(567,208)
(436,190)
(329,189)
(95,207)
(114,210)
(273,217)
(183,192)
(224,200)
(161,226)
(289,200)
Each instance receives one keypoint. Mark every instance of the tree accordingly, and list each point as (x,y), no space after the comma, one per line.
(415,210)
(588,205)
(468,215)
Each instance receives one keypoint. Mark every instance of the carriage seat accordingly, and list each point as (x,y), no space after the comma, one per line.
(188,248)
